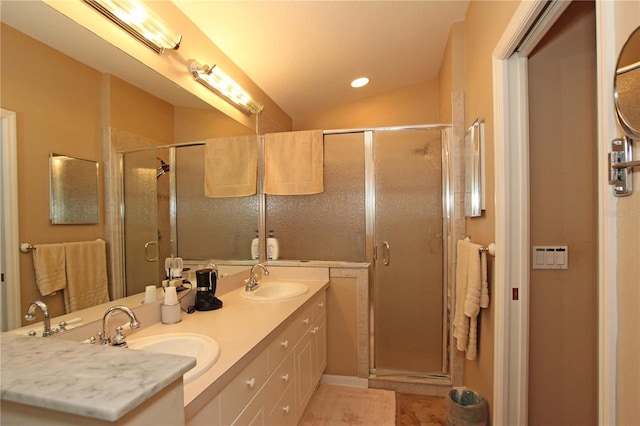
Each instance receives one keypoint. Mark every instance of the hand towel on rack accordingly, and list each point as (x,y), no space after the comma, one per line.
(477,297)
(48,265)
(86,275)
(230,166)
(468,277)
(294,163)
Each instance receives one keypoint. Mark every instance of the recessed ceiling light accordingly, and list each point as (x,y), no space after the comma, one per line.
(359,82)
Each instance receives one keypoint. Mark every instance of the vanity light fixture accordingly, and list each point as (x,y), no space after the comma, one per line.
(140,22)
(214,79)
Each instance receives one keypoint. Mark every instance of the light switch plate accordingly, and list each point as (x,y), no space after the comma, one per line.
(550,257)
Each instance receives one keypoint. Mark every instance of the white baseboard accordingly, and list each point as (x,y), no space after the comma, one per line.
(352,381)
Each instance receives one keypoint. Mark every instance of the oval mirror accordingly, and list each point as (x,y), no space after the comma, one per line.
(626,87)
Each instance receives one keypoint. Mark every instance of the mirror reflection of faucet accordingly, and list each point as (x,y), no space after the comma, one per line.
(119,340)
(252,283)
(31,315)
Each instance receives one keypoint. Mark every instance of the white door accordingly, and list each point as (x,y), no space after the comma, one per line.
(620,289)
(9,261)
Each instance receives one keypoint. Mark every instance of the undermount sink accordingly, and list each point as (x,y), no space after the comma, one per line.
(275,290)
(204,349)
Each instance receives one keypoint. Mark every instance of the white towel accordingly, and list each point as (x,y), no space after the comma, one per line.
(293,163)
(86,267)
(471,294)
(48,265)
(230,166)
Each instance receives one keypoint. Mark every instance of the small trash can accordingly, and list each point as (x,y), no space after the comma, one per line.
(466,408)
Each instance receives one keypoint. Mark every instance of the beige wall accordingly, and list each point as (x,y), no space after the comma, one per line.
(139,112)
(57,101)
(452,77)
(484,24)
(416,104)
(563,180)
(342,333)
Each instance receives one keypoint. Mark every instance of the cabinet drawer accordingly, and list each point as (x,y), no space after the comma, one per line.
(284,411)
(280,380)
(303,321)
(281,347)
(319,305)
(253,415)
(237,394)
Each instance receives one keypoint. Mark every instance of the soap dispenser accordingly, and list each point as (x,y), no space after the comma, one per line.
(272,246)
(255,247)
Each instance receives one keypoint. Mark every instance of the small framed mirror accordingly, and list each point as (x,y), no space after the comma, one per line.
(73,184)
(626,86)
(474,169)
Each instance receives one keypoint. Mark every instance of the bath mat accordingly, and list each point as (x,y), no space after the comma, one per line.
(334,405)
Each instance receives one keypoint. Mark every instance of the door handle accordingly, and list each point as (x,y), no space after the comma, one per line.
(146,251)
(386,257)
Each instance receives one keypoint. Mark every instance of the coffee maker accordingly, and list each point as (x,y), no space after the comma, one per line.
(206,280)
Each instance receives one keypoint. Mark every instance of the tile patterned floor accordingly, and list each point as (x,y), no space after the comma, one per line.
(334,405)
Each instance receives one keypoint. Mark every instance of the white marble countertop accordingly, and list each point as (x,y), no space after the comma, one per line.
(97,381)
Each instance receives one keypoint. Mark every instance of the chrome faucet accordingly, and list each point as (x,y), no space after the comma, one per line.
(119,339)
(31,315)
(252,282)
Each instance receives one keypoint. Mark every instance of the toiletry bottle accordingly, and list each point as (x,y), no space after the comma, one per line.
(255,247)
(272,246)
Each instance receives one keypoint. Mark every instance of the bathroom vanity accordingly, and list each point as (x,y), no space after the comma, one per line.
(272,354)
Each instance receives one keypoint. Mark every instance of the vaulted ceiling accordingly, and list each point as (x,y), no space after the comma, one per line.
(304,54)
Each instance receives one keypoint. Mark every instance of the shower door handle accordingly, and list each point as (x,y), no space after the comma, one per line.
(146,251)
(386,254)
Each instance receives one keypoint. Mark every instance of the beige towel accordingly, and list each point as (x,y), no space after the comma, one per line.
(86,275)
(477,296)
(468,278)
(48,265)
(230,166)
(293,163)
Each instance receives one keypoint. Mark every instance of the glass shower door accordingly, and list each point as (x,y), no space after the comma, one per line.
(140,220)
(408,271)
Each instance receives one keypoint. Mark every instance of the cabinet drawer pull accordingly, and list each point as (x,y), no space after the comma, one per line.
(305,321)
(251,382)
(314,330)
(321,304)
(286,409)
(285,377)
(284,344)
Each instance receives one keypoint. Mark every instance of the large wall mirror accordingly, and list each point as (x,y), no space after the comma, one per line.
(52,115)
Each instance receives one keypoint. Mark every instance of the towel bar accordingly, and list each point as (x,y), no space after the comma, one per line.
(491,249)
(27,247)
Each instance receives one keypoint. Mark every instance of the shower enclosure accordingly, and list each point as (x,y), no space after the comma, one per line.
(384,204)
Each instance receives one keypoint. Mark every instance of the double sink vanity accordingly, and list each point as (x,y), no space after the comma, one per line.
(256,361)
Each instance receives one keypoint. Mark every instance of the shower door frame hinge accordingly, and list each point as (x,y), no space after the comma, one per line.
(620,166)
